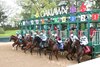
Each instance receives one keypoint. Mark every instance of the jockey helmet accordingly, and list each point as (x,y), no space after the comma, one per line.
(71,35)
(55,35)
(52,34)
(41,33)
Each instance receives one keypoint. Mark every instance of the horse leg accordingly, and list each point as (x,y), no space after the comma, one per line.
(67,56)
(79,56)
(40,49)
(56,54)
(13,44)
(17,47)
(73,54)
(31,49)
(45,52)
(27,47)
(50,55)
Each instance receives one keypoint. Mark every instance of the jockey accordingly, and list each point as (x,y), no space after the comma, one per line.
(43,37)
(37,34)
(60,43)
(19,37)
(72,36)
(84,41)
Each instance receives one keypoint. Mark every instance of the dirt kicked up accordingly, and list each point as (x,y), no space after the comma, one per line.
(11,58)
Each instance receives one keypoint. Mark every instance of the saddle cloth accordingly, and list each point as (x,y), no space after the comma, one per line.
(87,50)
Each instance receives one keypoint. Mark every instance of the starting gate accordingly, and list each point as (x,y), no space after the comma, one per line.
(63,22)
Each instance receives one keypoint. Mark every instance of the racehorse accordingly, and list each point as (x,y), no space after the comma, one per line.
(26,44)
(69,48)
(28,38)
(80,50)
(16,41)
(36,44)
(52,48)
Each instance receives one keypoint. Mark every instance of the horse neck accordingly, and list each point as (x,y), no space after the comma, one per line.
(25,41)
(51,42)
(78,45)
(14,38)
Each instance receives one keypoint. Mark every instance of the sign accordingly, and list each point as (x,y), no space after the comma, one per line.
(95,17)
(83,17)
(88,4)
(72,18)
(36,21)
(55,11)
(42,21)
(55,20)
(83,8)
(63,19)
(72,9)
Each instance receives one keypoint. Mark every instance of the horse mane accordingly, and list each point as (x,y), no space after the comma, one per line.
(51,42)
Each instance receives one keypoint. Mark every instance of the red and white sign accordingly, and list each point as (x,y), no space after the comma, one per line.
(83,8)
(95,17)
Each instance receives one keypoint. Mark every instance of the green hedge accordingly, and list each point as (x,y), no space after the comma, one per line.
(8,27)
(2,31)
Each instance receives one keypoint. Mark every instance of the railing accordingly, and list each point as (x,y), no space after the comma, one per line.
(4,39)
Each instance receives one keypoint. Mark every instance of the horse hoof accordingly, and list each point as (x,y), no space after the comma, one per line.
(71,58)
(67,58)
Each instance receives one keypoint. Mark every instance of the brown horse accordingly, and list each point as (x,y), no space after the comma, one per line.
(16,41)
(52,48)
(28,38)
(26,44)
(69,48)
(36,44)
(80,51)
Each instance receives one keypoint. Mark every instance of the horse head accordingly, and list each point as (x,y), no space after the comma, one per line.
(29,38)
(76,43)
(14,38)
(67,44)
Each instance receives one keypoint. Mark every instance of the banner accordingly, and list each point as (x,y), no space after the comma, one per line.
(63,19)
(95,17)
(37,21)
(72,18)
(83,17)
(83,8)
(72,9)
(55,20)
(42,21)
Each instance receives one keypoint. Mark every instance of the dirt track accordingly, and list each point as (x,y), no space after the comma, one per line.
(11,58)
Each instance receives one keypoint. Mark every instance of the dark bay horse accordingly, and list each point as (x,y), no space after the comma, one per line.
(69,48)
(36,44)
(80,51)
(28,38)
(16,41)
(26,44)
(52,48)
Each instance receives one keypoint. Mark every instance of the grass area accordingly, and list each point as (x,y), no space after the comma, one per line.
(8,33)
